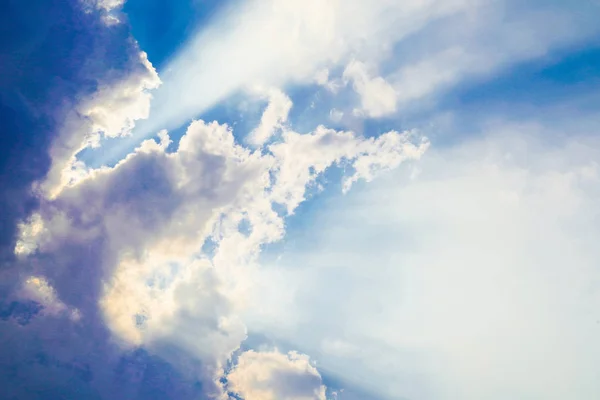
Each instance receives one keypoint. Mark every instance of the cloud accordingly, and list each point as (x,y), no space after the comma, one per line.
(29,231)
(273,117)
(336,115)
(458,48)
(111,111)
(455,50)
(108,4)
(38,290)
(377,97)
(483,267)
(123,245)
(275,376)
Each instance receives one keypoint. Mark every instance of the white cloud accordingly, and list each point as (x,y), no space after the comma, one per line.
(109,9)
(322,76)
(386,152)
(303,157)
(113,109)
(377,97)
(276,376)
(273,117)
(477,279)
(106,5)
(177,309)
(149,216)
(28,233)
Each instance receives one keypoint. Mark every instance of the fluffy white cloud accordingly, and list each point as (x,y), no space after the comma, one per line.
(476,279)
(377,97)
(140,227)
(113,109)
(324,147)
(275,376)
(273,117)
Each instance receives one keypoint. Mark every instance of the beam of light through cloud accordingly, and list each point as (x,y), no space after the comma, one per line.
(276,43)
(426,46)
(475,278)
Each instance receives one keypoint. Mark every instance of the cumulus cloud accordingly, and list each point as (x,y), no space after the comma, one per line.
(275,376)
(139,228)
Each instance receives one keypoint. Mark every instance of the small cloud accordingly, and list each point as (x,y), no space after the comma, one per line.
(273,118)
(29,232)
(276,376)
(336,115)
(40,291)
(378,98)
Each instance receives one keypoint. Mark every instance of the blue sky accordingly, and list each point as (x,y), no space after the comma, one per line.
(329,200)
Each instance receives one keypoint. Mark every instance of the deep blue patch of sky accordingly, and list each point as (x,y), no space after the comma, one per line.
(161,27)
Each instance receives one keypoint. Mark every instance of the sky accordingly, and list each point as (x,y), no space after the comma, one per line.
(299,200)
